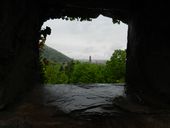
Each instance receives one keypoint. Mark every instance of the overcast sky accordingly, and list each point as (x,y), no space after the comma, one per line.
(79,40)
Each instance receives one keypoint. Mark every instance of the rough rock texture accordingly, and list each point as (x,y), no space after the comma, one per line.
(33,113)
(148,55)
(19,33)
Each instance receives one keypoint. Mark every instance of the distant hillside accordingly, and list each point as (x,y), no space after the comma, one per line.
(54,55)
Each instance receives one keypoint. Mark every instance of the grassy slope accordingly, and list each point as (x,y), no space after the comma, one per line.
(54,55)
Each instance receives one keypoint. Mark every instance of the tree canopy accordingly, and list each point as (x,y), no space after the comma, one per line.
(115,67)
(86,72)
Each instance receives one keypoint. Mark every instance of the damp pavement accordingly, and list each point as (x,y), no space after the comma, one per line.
(83,99)
(79,106)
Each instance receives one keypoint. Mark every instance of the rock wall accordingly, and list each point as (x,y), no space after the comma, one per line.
(148,56)
(19,69)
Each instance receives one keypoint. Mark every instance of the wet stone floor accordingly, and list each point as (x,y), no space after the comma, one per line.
(79,106)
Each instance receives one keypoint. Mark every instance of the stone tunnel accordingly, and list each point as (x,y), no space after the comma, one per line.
(148,47)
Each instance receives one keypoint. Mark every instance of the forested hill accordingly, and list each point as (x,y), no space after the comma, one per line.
(54,55)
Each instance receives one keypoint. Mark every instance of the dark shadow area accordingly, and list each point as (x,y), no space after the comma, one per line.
(147,100)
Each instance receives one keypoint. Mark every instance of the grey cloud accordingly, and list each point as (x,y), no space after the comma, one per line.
(78,39)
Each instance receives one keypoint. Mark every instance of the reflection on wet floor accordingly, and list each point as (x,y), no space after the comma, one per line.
(91,99)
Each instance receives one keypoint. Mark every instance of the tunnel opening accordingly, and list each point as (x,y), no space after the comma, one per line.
(85,51)
(148,59)
(89,50)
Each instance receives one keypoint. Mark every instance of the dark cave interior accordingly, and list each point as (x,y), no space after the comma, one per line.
(148,54)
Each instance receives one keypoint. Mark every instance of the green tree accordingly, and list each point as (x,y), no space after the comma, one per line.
(100,73)
(76,72)
(69,69)
(53,74)
(87,73)
(115,67)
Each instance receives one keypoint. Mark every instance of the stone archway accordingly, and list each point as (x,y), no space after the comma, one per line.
(148,55)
